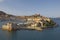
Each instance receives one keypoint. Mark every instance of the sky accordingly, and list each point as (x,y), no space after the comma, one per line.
(48,8)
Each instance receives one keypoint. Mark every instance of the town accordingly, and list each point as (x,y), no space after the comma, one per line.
(32,22)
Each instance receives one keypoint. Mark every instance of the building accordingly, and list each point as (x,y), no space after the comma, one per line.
(10,26)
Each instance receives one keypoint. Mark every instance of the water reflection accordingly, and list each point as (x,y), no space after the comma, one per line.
(11,35)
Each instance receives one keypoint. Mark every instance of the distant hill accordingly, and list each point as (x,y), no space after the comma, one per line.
(5,16)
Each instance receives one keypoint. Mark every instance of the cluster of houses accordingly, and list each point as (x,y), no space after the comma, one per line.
(37,20)
(32,22)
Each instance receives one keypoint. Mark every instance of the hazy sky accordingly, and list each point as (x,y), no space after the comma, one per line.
(49,8)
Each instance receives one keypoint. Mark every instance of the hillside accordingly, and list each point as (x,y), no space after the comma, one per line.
(5,16)
(37,21)
(33,18)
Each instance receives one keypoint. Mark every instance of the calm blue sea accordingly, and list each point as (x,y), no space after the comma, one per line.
(47,34)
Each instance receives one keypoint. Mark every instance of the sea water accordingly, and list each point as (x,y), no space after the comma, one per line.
(47,34)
